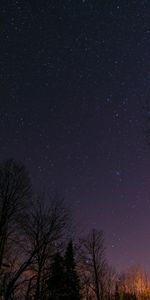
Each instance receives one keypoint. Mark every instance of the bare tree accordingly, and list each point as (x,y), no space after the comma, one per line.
(110,282)
(28,237)
(15,192)
(94,263)
(44,231)
(134,281)
(49,225)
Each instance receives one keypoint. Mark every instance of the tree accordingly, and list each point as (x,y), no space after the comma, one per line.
(129,296)
(110,282)
(42,235)
(72,280)
(15,193)
(117,293)
(45,232)
(56,283)
(134,281)
(94,262)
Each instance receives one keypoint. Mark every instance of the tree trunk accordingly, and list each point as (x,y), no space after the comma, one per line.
(37,292)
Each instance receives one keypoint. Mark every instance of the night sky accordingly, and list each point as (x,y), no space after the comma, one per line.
(74,77)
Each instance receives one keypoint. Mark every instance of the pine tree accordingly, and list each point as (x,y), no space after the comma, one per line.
(56,284)
(72,280)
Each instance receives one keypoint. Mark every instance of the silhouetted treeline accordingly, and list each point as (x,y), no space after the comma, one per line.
(41,260)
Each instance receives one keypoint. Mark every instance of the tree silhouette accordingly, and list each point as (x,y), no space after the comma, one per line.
(46,229)
(15,191)
(94,261)
(129,296)
(43,232)
(72,280)
(117,294)
(56,283)
(64,282)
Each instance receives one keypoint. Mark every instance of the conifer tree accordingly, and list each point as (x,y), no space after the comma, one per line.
(56,284)
(72,280)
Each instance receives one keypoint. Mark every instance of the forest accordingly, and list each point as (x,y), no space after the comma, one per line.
(43,258)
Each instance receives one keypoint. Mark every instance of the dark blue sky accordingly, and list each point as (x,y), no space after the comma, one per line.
(74,77)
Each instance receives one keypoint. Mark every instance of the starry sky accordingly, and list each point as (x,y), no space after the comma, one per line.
(74,78)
